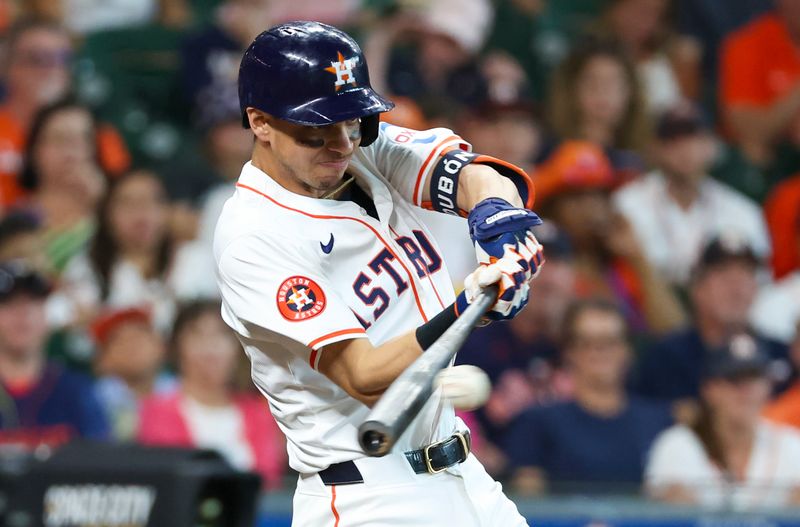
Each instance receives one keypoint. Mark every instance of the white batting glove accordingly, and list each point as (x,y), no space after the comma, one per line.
(512,281)
(525,249)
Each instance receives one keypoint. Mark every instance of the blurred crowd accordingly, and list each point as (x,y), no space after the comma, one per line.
(660,348)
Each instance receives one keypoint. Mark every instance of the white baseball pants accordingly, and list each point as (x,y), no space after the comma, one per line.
(392,495)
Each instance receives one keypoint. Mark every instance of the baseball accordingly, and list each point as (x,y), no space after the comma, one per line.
(467,387)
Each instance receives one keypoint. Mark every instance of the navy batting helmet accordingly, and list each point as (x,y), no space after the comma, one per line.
(311,74)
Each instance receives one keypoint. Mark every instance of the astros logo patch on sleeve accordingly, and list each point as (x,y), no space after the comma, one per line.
(300,298)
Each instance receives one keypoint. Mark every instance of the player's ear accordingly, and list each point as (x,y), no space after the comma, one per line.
(259,124)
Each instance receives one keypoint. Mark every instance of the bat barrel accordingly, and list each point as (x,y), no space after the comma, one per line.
(406,396)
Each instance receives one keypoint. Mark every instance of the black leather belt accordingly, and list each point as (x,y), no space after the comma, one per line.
(431,459)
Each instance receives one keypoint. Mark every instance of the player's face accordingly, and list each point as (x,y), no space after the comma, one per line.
(310,160)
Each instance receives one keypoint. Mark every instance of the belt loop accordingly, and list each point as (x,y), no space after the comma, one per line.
(465,443)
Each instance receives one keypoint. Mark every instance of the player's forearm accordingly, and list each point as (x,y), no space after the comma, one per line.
(478,182)
(378,368)
(365,371)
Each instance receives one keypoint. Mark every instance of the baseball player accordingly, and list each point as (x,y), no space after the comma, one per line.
(334,286)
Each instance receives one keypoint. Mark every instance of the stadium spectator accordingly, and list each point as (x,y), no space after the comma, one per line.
(37,59)
(729,457)
(677,208)
(509,131)
(777,305)
(21,239)
(42,403)
(205,411)
(64,178)
(539,34)
(128,363)
(708,22)
(759,90)
(573,188)
(521,357)
(35,74)
(595,96)
(430,52)
(668,64)
(722,288)
(226,148)
(214,161)
(513,34)
(785,408)
(128,262)
(210,57)
(597,442)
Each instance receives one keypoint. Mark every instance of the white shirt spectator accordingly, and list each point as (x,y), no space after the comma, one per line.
(678,458)
(776,310)
(673,237)
(80,291)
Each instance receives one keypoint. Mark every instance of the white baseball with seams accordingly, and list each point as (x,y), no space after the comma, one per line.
(466,387)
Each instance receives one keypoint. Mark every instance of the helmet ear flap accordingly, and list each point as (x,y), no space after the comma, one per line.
(369,129)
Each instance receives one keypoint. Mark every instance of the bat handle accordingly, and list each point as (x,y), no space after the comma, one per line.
(406,396)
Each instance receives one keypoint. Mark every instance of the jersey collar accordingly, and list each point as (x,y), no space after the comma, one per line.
(259,180)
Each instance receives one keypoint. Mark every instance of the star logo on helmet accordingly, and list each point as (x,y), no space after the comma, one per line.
(343,69)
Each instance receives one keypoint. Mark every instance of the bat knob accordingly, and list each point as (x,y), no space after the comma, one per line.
(374,442)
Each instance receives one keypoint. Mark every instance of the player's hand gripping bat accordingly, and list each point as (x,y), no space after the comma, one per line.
(404,398)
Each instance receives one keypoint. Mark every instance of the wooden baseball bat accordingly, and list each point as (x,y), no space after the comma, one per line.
(404,398)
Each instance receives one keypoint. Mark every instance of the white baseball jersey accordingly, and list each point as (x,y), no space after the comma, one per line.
(298,273)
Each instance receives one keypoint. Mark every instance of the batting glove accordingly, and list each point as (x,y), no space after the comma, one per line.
(522,247)
(512,281)
(500,230)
